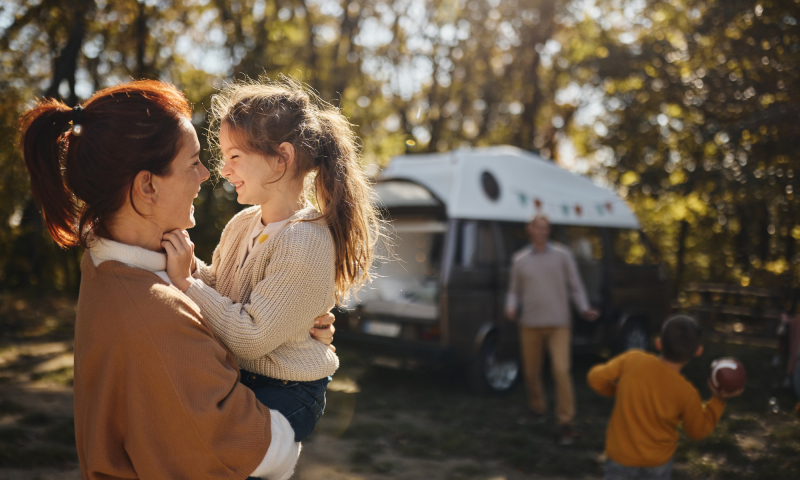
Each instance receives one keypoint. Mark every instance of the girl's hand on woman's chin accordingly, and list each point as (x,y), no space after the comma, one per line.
(180,258)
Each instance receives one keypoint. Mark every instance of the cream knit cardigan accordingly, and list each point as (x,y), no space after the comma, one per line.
(263,310)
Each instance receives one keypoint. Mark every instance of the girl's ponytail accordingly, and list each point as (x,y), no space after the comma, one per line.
(344,195)
(45,147)
(267,113)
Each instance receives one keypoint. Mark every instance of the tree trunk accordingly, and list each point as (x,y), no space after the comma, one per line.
(66,62)
(31,243)
(681,257)
(141,41)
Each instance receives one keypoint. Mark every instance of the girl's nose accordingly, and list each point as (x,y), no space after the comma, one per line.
(225,171)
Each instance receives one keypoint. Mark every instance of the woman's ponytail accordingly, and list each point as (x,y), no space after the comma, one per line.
(45,147)
(82,176)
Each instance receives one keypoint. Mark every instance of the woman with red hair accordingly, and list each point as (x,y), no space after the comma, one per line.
(156,393)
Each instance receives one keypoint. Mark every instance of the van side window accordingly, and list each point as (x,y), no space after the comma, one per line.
(586,246)
(629,248)
(476,244)
(487,247)
(467,243)
(514,238)
(584,243)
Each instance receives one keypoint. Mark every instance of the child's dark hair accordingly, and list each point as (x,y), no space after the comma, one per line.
(263,114)
(680,338)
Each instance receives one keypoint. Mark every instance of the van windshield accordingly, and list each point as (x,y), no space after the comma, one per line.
(407,283)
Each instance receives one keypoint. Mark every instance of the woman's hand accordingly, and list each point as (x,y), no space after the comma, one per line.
(323,330)
(180,258)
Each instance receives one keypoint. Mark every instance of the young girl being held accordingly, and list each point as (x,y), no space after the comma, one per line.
(282,262)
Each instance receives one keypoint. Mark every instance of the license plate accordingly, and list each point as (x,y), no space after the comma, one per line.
(383,329)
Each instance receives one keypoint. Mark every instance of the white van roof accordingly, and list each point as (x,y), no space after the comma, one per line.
(526,183)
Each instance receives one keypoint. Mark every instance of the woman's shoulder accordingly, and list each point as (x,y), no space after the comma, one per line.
(146,292)
(135,303)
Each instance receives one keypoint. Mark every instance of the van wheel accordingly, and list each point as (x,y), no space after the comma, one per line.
(488,374)
(634,335)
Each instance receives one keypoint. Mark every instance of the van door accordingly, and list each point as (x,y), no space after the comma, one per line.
(586,246)
(514,238)
(471,284)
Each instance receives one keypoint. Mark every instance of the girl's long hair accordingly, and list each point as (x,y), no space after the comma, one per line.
(80,182)
(263,114)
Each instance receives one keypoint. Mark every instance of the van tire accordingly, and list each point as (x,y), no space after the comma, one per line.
(634,335)
(488,375)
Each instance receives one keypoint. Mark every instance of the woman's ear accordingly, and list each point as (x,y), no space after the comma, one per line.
(144,189)
(658,344)
(699,352)
(287,153)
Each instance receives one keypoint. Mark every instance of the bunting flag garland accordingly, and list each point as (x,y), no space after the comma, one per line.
(602,209)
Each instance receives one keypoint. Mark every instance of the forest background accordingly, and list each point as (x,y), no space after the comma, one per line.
(690,109)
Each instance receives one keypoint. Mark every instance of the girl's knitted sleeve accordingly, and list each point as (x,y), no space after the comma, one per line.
(297,287)
(208,272)
(205,272)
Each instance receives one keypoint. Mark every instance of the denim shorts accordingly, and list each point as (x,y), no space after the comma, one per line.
(302,403)
(615,471)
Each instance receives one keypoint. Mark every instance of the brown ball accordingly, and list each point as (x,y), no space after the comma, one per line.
(728,374)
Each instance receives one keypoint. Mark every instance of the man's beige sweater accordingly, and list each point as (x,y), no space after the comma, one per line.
(542,284)
(263,308)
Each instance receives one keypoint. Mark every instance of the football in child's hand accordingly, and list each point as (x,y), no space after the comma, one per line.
(728,375)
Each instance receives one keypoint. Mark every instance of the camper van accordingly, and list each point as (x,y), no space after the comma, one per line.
(456,220)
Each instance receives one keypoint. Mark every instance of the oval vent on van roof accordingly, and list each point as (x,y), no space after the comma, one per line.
(490,186)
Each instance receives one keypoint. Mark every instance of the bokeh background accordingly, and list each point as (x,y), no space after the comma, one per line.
(688,108)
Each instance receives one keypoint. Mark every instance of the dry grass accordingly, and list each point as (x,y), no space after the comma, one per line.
(383,423)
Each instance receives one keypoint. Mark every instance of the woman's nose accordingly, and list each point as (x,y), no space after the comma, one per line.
(206,173)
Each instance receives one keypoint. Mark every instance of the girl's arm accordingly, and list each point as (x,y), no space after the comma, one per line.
(183,265)
(298,286)
(206,273)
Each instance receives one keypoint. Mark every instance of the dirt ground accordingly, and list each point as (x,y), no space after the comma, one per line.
(389,424)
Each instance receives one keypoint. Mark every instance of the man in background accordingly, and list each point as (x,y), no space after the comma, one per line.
(543,279)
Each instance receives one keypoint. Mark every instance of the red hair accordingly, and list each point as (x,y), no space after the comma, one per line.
(80,182)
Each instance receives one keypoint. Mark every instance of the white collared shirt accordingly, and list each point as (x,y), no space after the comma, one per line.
(103,249)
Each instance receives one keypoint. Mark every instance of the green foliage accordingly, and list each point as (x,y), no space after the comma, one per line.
(687,107)
(700,127)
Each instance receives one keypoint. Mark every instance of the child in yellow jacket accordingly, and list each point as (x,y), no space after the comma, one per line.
(651,399)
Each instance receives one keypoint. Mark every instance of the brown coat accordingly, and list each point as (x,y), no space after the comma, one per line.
(156,394)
